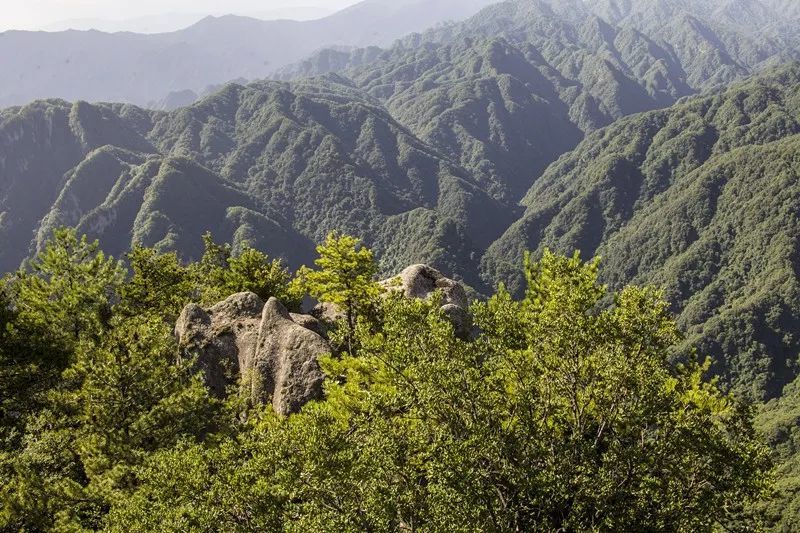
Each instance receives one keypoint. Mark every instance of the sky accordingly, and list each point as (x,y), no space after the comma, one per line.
(138,14)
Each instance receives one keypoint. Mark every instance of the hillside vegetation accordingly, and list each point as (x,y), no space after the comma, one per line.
(559,413)
(277,165)
(424,150)
(701,199)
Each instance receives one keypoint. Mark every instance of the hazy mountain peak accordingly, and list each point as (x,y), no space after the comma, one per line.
(142,68)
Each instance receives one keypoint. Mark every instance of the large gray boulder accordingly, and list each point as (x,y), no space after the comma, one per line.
(259,346)
(421,281)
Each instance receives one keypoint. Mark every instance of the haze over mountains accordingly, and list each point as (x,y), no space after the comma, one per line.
(169,22)
(139,68)
(713,41)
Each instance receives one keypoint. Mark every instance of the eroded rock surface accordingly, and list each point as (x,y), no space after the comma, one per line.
(273,354)
(262,346)
(421,281)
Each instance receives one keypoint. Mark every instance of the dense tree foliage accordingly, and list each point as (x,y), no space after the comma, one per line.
(220,272)
(91,379)
(699,199)
(346,279)
(563,412)
(423,150)
(779,420)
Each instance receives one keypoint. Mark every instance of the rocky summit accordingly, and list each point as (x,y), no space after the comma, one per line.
(272,353)
(260,345)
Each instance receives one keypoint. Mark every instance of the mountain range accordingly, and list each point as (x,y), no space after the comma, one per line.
(462,147)
(661,135)
(143,68)
(701,199)
(249,163)
(169,22)
(713,42)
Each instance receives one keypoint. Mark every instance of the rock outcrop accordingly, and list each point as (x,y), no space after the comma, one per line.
(327,313)
(310,322)
(273,354)
(269,351)
(421,281)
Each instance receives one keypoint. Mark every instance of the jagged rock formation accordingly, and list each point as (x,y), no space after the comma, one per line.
(421,281)
(273,353)
(258,344)
(327,313)
(310,322)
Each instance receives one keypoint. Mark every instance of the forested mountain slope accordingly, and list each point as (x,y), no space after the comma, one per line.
(460,127)
(701,198)
(708,42)
(277,165)
(485,91)
(656,134)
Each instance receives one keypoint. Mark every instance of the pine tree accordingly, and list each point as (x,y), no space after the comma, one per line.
(159,284)
(346,278)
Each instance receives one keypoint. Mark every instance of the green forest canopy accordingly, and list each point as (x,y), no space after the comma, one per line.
(563,412)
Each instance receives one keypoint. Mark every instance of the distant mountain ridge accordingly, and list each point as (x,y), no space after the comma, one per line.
(139,68)
(491,102)
(714,41)
(176,21)
(277,165)
(476,90)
